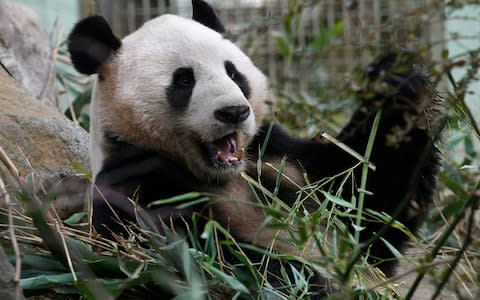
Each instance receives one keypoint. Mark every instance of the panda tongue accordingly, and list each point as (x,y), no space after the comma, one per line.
(226,148)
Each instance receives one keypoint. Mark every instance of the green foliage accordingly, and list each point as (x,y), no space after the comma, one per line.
(304,108)
(77,110)
(147,261)
(75,89)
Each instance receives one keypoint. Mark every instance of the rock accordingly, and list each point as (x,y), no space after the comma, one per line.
(26,52)
(38,138)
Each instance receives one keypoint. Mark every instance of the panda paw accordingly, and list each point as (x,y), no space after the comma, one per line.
(395,81)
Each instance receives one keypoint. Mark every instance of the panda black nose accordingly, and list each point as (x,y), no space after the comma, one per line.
(232,114)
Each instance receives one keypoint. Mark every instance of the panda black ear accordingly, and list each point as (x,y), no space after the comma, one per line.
(205,14)
(91,43)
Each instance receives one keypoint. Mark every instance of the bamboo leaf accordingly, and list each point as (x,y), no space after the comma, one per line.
(176,199)
(230,280)
(45,281)
(337,200)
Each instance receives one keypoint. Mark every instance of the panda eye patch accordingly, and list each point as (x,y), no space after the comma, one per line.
(180,89)
(231,72)
(238,78)
(231,69)
(183,78)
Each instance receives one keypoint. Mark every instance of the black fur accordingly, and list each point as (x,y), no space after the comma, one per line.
(205,14)
(180,89)
(238,78)
(144,177)
(91,43)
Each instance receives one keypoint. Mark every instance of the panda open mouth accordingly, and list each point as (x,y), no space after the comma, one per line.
(224,153)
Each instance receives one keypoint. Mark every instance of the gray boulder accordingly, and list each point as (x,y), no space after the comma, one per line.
(26,52)
(39,139)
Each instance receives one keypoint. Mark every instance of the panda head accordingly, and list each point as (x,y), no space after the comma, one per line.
(175,86)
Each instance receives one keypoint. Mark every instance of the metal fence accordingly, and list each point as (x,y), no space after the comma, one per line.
(256,26)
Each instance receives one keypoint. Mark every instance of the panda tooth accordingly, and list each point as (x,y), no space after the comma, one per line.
(220,156)
(240,153)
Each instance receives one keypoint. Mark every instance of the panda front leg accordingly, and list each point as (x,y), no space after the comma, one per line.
(404,155)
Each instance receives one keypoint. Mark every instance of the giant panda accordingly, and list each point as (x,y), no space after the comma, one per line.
(178,108)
